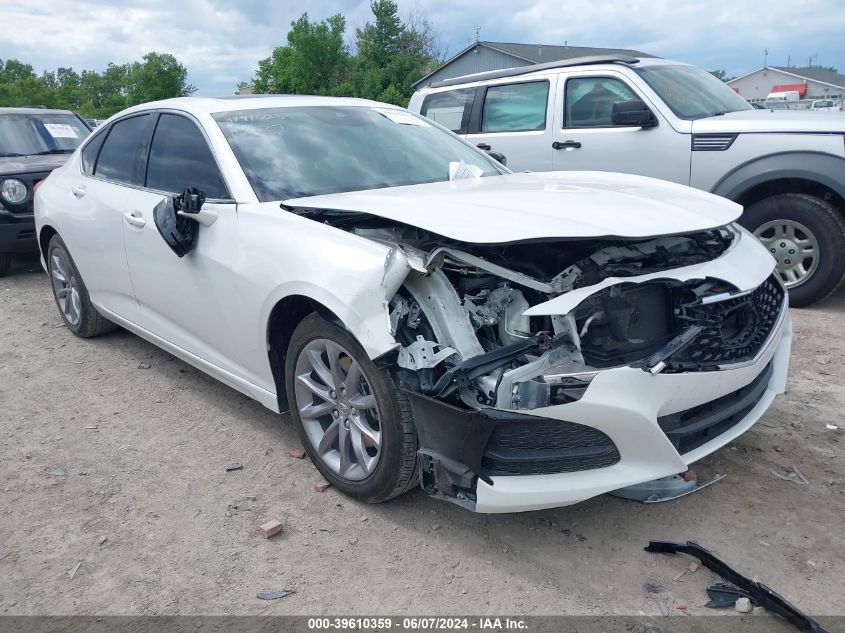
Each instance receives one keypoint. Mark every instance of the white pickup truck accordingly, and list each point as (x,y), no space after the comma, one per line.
(672,121)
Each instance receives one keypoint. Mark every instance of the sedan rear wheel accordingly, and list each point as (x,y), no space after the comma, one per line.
(356,426)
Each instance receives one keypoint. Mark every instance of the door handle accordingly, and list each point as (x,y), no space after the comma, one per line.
(484,146)
(567,145)
(78,191)
(134,219)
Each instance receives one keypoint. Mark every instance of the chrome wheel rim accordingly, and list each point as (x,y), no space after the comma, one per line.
(338,409)
(794,247)
(65,287)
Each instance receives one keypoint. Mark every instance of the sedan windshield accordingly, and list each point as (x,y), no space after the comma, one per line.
(37,133)
(306,151)
(692,93)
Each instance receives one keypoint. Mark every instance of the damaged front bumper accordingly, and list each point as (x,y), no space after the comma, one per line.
(628,426)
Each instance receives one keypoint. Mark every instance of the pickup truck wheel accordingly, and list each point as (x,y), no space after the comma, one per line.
(806,236)
(5,264)
(77,311)
(356,427)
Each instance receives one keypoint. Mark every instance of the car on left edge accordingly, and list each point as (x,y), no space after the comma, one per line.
(33,142)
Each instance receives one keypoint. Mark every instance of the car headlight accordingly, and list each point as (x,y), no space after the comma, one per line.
(13,191)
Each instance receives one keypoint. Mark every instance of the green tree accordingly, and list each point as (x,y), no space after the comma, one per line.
(392,54)
(721,74)
(159,76)
(93,94)
(315,59)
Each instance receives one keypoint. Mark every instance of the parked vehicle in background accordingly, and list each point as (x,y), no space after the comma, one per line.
(511,341)
(673,121)
(33,142)
(825,105)
(782,100)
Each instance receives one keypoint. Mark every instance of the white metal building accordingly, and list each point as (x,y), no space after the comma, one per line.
(810,83)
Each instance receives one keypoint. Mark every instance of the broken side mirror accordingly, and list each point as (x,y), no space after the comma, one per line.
(632,113)
(179,230)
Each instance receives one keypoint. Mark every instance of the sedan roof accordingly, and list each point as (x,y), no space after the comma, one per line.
(211,105)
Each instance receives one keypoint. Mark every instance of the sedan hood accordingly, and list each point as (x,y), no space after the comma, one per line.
(790,121)
(531,206)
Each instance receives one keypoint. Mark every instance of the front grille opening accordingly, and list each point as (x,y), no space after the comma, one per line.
(626,323)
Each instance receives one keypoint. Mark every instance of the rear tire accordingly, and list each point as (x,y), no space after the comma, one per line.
(71,295)
(790,224)
(5,264)
(358,403)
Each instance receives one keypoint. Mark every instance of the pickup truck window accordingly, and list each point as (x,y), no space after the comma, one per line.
(451,109)
(692,93)
(515,107)
(589,100)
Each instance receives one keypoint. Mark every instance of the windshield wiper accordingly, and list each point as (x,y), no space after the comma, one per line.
(10,154)
(53,151)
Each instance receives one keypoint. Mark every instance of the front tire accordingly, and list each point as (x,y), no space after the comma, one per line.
(355,425)
(806,236)
(71,294)
(5,264)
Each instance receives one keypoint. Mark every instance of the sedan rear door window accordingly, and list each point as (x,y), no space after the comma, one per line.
(119,156)
(180,158)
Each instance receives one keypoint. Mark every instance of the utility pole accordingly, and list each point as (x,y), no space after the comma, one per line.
(765,56)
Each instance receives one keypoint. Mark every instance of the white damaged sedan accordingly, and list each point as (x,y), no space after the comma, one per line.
(508,341)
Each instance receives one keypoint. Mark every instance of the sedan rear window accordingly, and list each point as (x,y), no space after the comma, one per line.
(306,151)
(119,157)
(36,133)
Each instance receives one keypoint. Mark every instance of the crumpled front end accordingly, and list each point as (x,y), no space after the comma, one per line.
(543,373)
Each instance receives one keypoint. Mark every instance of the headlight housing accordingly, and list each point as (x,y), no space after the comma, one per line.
(13,191)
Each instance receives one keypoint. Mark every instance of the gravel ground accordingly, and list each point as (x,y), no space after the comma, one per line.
(113,459)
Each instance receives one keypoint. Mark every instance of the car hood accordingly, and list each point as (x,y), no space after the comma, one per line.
(531,206)
(772,121)
(12,165)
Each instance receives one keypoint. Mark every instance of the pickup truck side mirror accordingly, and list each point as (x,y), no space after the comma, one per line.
(632,113)
(498,156)
(178,230)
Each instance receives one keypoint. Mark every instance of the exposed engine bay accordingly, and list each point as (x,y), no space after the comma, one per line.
(460,315)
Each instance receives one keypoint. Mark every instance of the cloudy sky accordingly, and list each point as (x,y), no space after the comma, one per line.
(220,41)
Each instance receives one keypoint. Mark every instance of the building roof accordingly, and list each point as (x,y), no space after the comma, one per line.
(815,74)
(807,73)
(537,53)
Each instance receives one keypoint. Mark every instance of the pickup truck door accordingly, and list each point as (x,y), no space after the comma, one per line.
(584,137)
(515,119)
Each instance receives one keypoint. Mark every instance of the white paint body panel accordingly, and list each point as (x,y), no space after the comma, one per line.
(518,207)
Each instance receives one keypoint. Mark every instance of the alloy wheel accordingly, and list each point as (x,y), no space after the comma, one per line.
(338,409)
(793,246)
(65,286)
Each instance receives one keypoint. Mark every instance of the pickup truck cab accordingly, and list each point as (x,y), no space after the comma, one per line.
(673,121)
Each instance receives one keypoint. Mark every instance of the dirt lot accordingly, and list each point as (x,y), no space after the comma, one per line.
(113,456)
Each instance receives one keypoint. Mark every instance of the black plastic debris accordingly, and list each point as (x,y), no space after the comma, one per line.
(275,595)
(757,592)
(722,596)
